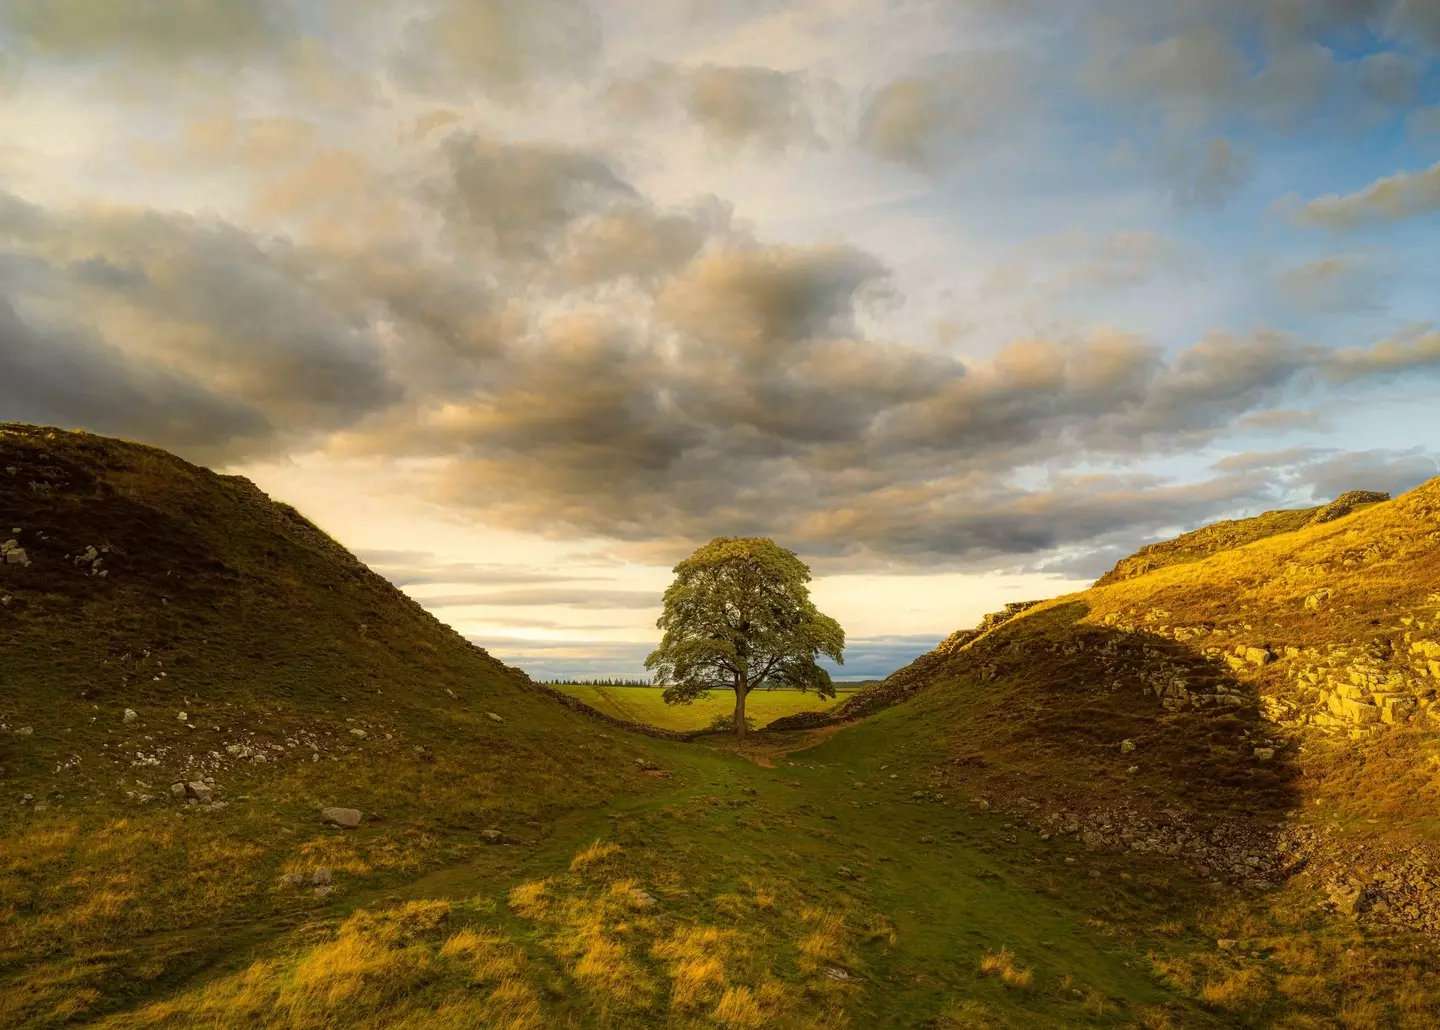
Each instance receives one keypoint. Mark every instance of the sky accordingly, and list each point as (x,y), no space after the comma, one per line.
(523,300)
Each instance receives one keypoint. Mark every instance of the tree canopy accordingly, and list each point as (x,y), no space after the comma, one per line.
(739,616)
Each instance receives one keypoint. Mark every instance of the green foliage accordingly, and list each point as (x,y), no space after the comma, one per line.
(739,616)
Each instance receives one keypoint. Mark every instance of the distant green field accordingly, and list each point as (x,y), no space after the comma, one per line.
(643,704)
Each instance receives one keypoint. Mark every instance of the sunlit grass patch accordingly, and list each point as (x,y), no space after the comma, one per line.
(1002,964)
(593,855)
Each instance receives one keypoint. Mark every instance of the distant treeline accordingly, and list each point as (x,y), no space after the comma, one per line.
(602,683)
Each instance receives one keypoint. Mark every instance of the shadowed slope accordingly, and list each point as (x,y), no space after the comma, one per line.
(161,624)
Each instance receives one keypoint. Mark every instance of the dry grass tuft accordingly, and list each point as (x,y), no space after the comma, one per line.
(1002,964)
(594,855)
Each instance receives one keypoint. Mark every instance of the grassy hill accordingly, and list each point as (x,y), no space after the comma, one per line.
(988,854)
(1226,536)
(1262,717)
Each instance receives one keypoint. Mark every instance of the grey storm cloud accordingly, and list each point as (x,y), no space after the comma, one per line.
(57,376)
(194,308)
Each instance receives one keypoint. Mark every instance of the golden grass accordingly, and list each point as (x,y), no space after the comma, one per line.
(1002,964)
(595,854)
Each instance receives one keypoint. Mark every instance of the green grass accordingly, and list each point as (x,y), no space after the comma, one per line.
(644,704)
(856,882)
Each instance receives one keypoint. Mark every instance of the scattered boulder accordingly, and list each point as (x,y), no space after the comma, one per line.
(361,734)
(1319,597)
(346,818)
(321,876)
(292,879)
(641,899)
(13,553)
(1265,754)
(200,791)
(1127,746)
(130,716)
(25,731)
(494,717)
(324,892)
(645,765)
(177,790)
(493,836)
(181,716)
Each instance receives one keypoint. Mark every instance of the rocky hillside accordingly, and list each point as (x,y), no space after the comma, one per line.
(1226,536)
(1269,714)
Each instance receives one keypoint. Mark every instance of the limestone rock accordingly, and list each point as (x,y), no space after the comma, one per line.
(324,892)
(641,899)
(494,717)
(347,818)
(13,553)
(321,876)
(493,836)
(292,879)
(177,790)
(24,731)
(1127,746)
(130,716)
(200,791)
(1265,754)
(645,765)
(361,734)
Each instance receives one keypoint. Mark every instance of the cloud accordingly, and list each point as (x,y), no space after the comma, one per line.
(502,47)
(736,106)
(746,104)
(201,301)
(1395,198)
(1336,283)
(153,31)
(1412,353)
(516,199)
(416,568)
(1393,472)
(54,376)
(1208,174)
(959,109)
(564,597)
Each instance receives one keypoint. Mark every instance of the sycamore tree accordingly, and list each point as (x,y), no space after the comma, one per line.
(738,617)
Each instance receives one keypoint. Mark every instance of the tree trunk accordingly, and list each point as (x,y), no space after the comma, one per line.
(741,689)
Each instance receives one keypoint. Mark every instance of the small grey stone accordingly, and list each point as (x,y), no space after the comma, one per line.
(494,717)
(321,876)
(493,836)
(200,791)
(130,716)
(292,879)
(177,790)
